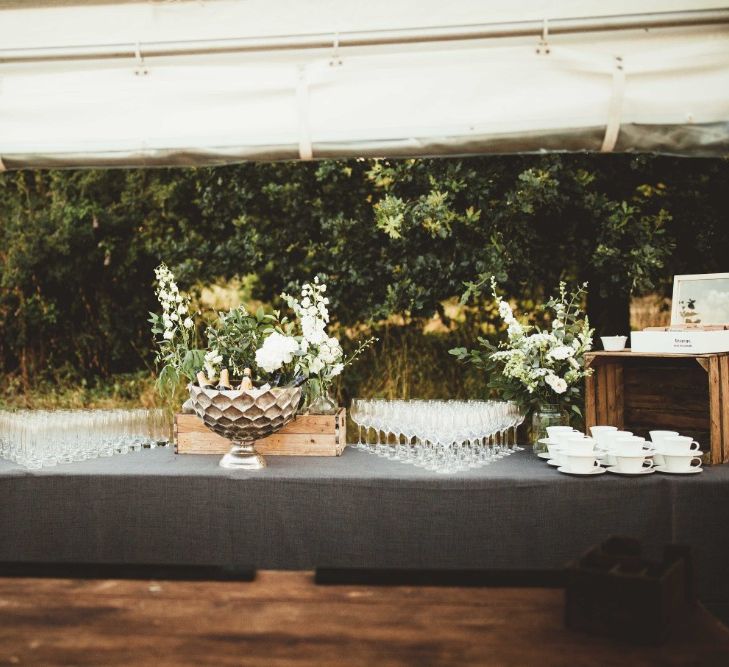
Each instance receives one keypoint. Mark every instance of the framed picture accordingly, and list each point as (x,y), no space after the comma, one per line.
(700,299)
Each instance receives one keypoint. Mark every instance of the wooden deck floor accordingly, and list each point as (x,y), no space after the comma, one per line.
(284,619)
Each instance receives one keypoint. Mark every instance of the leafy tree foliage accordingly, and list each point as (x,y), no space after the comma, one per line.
(78,248)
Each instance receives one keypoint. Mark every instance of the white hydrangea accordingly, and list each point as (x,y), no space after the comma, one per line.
(276,351)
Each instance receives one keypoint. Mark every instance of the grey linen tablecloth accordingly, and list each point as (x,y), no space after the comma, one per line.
(357,510)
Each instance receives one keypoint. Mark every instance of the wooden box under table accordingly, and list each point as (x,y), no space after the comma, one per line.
(306,435)
(641,392)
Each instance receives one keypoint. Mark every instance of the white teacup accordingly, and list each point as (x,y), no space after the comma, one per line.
(611,436)
(657,437)
(600,432)
(681,462)
(681,445)
(554,450)
(580,463)
(555,431)
(576,437)
(630,462)
(629,443)
(578,449)
(564,438)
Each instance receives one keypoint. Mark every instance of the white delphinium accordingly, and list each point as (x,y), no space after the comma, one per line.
(319,353)
(174,330)
(175,306)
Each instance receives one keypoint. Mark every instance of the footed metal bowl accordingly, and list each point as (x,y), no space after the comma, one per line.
(244,417)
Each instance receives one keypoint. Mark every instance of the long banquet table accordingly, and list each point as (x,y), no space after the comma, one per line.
(357,510)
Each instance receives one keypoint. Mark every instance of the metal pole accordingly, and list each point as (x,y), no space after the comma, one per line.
(371,38)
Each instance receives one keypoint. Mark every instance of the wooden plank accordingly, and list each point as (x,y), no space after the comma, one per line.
(590,408)
(628,354)
(300,424)
(601,395)
(724,406)
(283,619)
(620,398)
(611,397)
(715,410)
(193,437)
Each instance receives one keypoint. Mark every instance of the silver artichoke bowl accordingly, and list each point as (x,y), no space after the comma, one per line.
(244,416)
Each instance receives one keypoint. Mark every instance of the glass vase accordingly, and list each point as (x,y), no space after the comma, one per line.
(320,400)
(547,414)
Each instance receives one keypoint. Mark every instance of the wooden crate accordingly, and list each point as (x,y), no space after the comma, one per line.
(642,392)
(306,435)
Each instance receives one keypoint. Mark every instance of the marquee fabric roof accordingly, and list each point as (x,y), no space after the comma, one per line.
(101,83)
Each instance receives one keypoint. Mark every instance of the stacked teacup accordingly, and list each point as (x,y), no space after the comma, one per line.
(572,452)
(676,454)
(623,452)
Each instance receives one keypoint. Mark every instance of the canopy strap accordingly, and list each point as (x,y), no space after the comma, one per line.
(141,68)
(543,46)
(302,98)
(615,109)
(336,59)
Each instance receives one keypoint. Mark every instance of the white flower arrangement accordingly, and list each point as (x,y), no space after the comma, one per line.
(539,366)
(276,350)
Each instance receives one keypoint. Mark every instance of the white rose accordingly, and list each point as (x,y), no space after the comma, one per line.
(316,366)
(181,309)
(561,352)
(336,369)
(169,334)
(188,323)
(558,385)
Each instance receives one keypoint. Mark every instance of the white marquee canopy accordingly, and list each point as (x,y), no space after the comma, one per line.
(103,83)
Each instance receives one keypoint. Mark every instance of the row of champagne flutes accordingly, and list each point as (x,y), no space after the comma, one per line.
(441,436)
(39,438)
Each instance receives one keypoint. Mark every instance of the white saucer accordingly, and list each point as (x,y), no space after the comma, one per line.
(552,462)
(543,455)
(693,471)
(546,441)
(645,471)
(594,471)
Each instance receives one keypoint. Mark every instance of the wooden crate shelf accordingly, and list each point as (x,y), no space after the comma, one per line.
(642,392)
(306,435)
